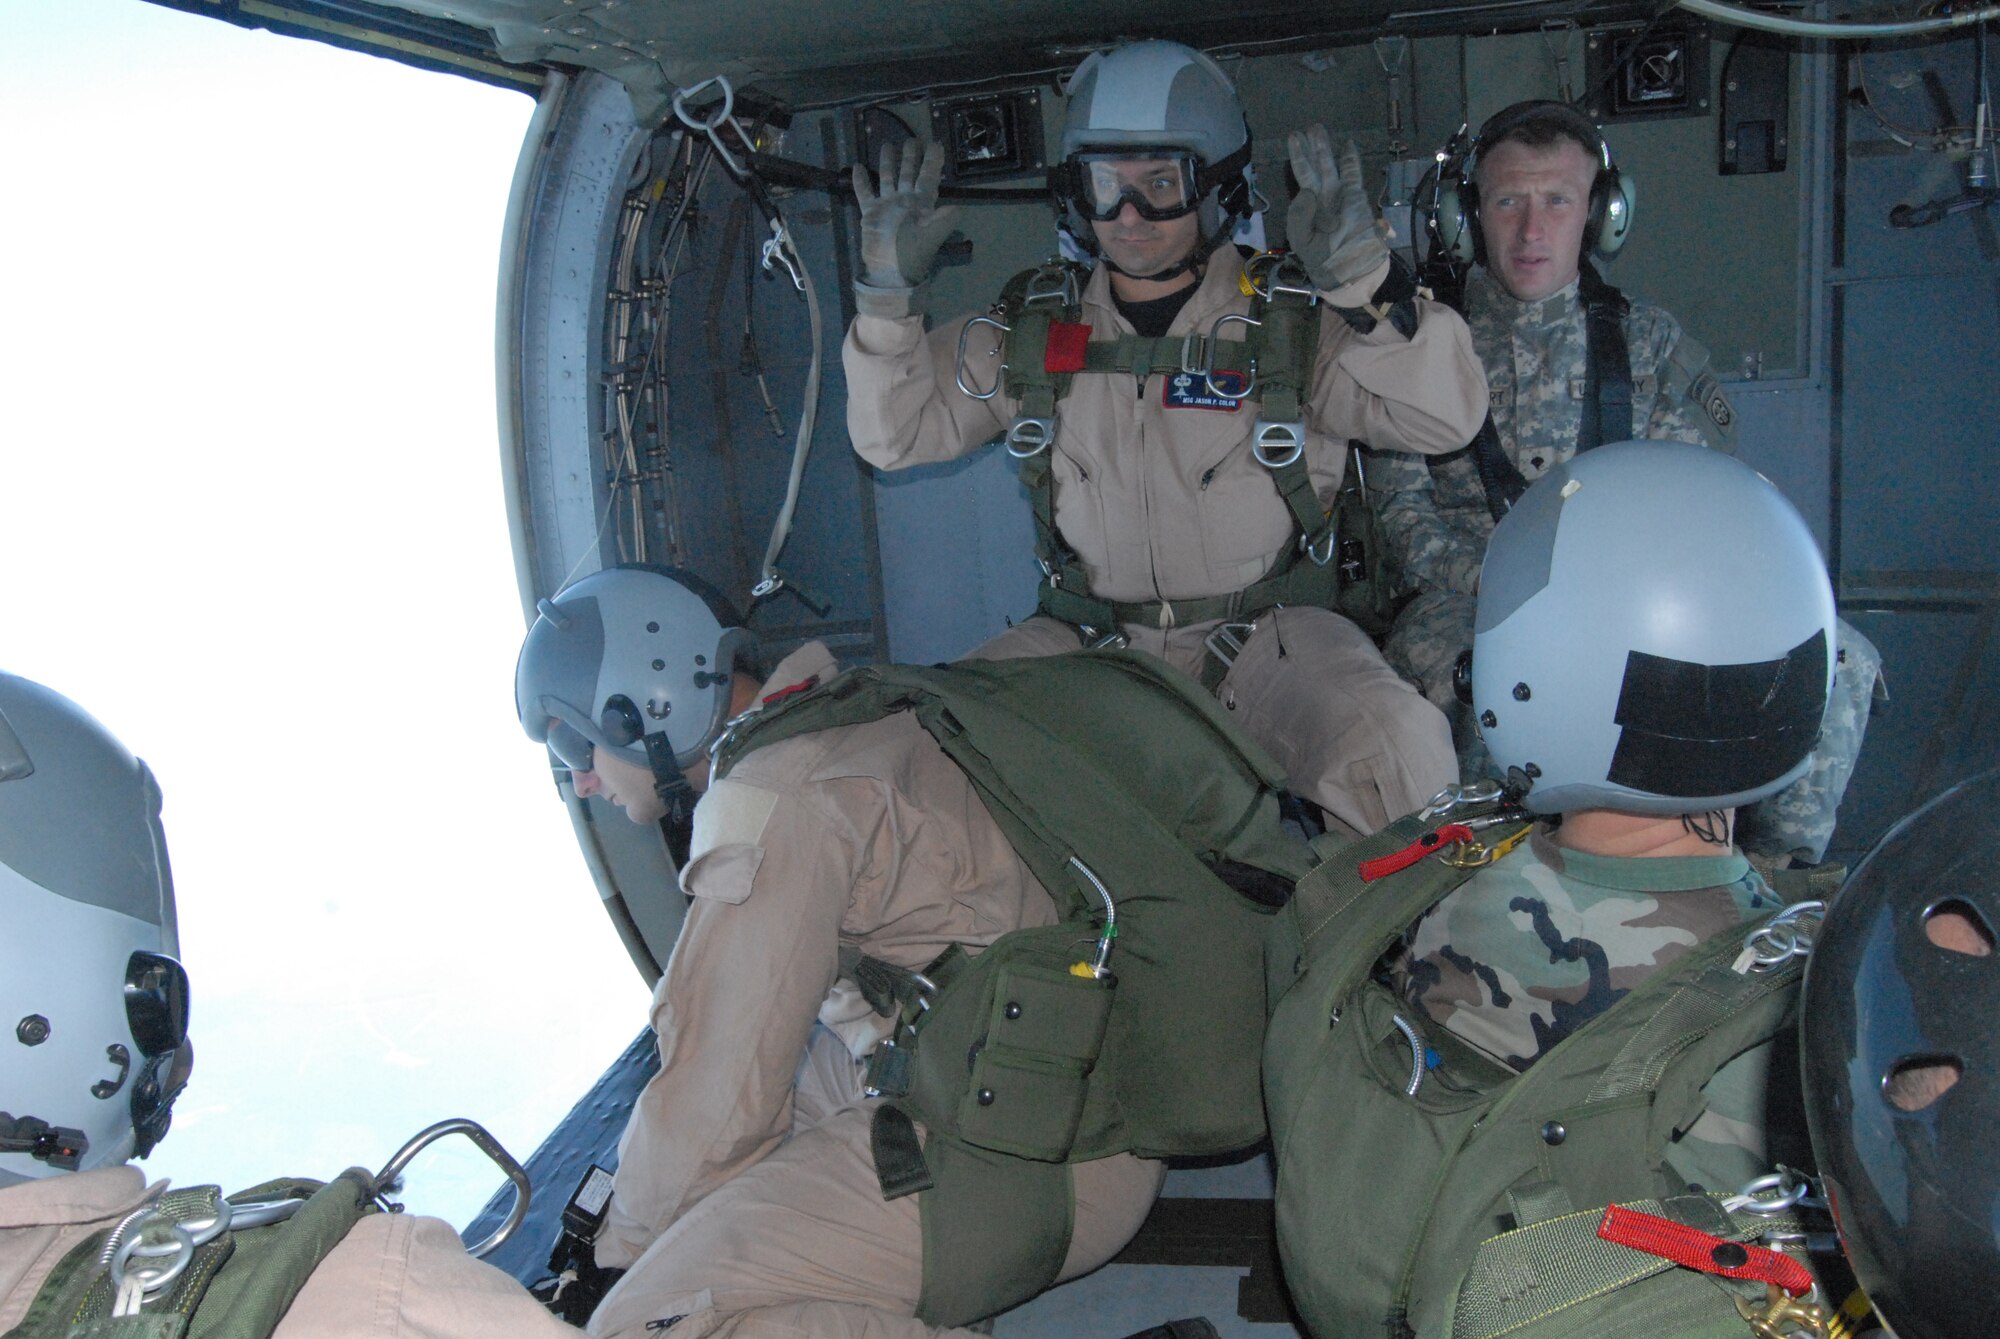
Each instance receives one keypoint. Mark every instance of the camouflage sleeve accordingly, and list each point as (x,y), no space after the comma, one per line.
(1429,552)
(1726,1147)
(1691,406)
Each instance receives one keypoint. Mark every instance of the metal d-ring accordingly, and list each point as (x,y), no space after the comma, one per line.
(180,1248)
(386,1179)
(1278,445)
(1028,437)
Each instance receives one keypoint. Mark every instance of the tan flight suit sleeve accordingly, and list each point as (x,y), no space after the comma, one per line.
(904,406)
(1425,394)
(408,1276)
(770,881)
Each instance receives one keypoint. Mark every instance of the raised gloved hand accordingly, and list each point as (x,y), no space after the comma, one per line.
(902,225)
(1330,223)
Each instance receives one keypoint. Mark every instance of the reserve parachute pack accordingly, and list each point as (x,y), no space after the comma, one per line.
(1426,1189)
(190,1264)
(1337,558)
(246,1259)
(1132,1025)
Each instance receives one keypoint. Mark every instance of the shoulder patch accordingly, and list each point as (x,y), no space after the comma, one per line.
(1706,392)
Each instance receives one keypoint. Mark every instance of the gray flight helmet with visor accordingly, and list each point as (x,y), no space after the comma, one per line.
(94,1002)
(1159,104)
(1655,634)
(637,660)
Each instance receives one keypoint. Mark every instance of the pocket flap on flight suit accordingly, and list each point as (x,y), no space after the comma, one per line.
(726,848)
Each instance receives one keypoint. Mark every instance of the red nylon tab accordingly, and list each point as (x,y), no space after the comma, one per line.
(1384,865)
(803,685)
(1065,349)
(1698,1250)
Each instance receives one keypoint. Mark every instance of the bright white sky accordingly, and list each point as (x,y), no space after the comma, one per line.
(251,518)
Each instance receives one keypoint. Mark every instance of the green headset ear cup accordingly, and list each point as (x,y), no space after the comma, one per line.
(1458,220)
(1617,197)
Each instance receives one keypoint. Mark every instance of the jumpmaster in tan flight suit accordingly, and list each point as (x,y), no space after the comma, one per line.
(1521,1099)
(97,1052)
(752,1194)
(1157,522)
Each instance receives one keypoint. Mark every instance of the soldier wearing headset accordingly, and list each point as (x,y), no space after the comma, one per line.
(1571,364)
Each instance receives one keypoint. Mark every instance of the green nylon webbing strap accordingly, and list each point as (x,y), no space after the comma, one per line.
(899,1154)
(248,1301)
(1532,1275)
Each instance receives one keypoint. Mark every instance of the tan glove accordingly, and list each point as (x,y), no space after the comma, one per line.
(1330,223)
(902,226)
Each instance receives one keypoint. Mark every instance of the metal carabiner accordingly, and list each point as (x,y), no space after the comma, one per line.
(1207,368)
(778,247)
(1322,552)
(1276,445)
(1459,795)
(385,1180)
(1780,939)
(1029,437)
(958,373)
(724,115)
(1053,282)
(1792,1192)
(1263,275)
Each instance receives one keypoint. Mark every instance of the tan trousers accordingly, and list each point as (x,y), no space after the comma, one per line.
(1310,687)
(803,1244)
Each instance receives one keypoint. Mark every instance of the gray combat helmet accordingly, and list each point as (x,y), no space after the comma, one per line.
(1655,634)
(93,1005)
(1160,96)
(632,659)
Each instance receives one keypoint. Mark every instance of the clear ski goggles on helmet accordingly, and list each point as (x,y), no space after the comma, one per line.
(1160,186)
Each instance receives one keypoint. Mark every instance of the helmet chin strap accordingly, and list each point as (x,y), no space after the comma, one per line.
(1194,260)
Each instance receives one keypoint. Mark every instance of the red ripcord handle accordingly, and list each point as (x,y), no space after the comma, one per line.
(1698,1250)
(1446,835)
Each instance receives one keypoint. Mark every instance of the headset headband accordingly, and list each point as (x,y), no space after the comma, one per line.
(1509,119)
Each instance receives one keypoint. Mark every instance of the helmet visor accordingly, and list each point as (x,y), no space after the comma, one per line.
(1160,186)
(156,1002)
(568,733)
(572,750)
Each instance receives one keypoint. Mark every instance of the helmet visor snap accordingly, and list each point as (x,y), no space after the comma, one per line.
(1159,186)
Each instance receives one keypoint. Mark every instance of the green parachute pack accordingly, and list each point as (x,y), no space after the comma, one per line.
(1132,1025)
(1425,1189)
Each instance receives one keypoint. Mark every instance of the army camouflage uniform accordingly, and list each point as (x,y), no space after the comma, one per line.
(1435,514)
(1544,940)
